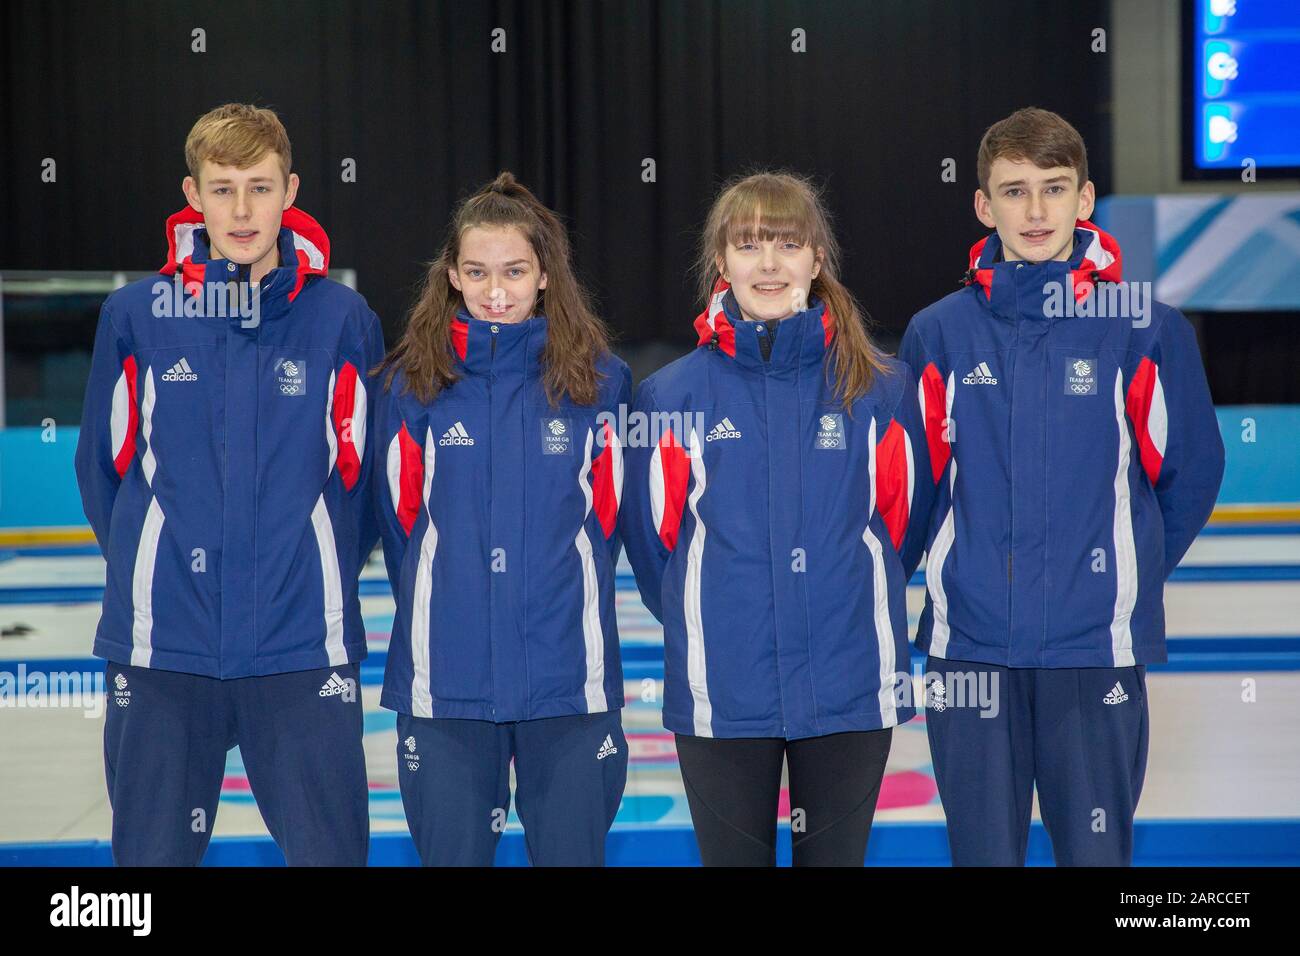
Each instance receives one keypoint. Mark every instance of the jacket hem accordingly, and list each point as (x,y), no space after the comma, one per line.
(483,710)
(846,723)
(204,666)
(1082,657)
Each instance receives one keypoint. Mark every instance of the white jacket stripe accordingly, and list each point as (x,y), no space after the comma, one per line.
(330,440)
(880,593)
(359,419)
(657,487)
(120,416)
(593,635)
(146,556)
(331,582)
(146,551)
(331,577)
(942,545)
(615,465)
(1158,416)
(696,665)
(1126,572)
(421,685)
(148,462)
(393,470)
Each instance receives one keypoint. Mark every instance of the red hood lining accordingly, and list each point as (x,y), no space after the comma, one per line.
(1102,262)
(714,327)
(311,246)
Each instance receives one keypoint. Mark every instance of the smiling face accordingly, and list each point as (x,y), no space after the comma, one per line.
(497,274)
(1033,209)
(242,209)
(770,278)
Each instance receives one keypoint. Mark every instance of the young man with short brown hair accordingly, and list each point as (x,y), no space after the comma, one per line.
(1077,455)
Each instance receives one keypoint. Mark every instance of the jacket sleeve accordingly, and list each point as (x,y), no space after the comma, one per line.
(607,465)
(933,400)
(372,353)
(109,425)
(658,471)
(399,486)
(1177,434)
(904,492)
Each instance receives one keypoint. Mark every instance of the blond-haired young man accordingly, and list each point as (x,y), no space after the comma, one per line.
(224,467)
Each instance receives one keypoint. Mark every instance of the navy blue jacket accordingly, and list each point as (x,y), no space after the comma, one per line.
(772,532)
(1077,458)
(223,461)
(499,520)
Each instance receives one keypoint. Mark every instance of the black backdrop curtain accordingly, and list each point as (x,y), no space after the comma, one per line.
(584,93)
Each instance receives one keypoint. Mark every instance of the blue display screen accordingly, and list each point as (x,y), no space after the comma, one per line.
(1245,84)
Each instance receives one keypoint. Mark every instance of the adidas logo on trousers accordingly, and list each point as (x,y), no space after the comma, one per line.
(333,687)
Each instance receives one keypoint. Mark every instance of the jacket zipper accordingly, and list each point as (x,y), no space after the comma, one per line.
(492,355)
(771,552)
(1011,458)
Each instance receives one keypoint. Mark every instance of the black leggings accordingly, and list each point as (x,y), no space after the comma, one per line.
(733,786)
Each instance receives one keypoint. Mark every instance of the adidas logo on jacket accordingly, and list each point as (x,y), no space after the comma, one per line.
(724,429)
(180,372)
(775,548)
(224,469)
(456,435)
(980,375)
(1069,492)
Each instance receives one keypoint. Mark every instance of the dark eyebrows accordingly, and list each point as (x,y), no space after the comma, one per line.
(512,262)
(1046,182)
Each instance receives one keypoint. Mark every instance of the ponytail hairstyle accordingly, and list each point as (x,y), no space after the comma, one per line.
(576,338)
(779,205)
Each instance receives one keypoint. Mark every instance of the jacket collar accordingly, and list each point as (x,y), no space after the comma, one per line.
(1012,287)
(518,347)
(304,251)
(802,339)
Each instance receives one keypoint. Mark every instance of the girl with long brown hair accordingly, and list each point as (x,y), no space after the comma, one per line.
(499,526)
